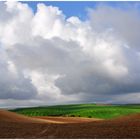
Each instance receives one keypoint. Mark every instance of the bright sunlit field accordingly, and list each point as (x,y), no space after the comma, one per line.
(81,110)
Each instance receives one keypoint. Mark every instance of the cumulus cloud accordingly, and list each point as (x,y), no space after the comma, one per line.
(13,84)
(125,22)
(46,58)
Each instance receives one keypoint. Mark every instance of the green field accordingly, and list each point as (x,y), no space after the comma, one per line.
(81,110)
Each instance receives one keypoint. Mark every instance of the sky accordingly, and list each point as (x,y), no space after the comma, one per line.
(69,52)
(79,9)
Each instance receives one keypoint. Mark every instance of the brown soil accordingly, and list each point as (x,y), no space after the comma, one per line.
(13,125)
(8,116)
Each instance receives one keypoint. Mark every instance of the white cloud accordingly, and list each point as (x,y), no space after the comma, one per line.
(48,59)
(125,23)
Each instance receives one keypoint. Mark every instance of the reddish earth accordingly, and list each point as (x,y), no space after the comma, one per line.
(13,125)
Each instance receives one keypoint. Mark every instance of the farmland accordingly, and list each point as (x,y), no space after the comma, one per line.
(15,125)
(81,110)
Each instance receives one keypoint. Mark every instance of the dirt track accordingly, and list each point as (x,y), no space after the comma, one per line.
(68,119)
(123,127)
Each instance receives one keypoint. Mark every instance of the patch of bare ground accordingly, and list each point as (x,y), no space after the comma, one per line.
(68,119)
(122,127)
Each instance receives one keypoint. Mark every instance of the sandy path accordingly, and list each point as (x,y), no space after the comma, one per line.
(68,119)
